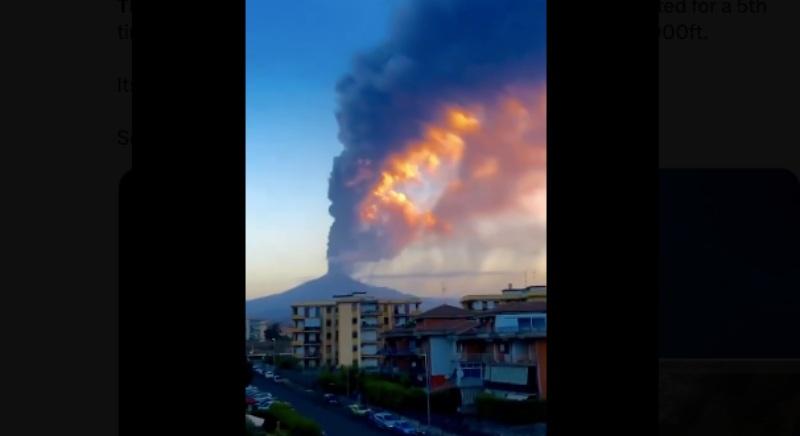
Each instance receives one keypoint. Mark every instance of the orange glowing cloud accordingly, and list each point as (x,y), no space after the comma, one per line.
(443,143)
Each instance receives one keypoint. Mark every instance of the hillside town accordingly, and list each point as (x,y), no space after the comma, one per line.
(467,369)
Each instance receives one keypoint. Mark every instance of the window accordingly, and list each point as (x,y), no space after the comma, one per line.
(355,335)
(294,311)
(385,321)
(355,347)
(327,323)
(328,309)
(355,320)
(502,348)
(524,323)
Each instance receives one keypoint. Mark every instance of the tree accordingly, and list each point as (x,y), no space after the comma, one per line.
(274,332)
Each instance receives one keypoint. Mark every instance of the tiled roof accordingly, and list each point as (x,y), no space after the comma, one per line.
(444,311)
(448,326)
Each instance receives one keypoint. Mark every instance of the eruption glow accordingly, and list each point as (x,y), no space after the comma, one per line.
(442,125)
(390,198)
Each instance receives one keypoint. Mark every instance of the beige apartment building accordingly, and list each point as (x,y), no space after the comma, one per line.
(346,330)
(484,302)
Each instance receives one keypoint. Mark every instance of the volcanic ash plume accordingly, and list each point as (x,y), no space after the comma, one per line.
(442,124)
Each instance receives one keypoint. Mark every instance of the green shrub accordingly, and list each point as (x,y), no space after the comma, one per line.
(497,409)
(290,421)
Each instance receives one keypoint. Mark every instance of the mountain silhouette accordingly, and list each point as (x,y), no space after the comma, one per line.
(278,307)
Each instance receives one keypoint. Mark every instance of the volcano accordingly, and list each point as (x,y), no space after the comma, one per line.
(277,307)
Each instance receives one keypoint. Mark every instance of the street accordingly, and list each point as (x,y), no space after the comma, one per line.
(332,418)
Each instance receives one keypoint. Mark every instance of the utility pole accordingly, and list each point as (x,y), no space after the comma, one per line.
(428,390)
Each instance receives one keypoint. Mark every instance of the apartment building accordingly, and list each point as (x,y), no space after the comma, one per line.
(505,353)
(346,330)
(487,302)
(428,349)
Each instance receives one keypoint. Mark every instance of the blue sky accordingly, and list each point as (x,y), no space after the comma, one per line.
(296,52)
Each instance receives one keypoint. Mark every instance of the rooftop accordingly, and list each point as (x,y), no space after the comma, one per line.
(444,311)
(315,303)
(516,307)
(510,294)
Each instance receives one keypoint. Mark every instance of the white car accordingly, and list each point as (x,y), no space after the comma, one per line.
(269,374)
(384,420)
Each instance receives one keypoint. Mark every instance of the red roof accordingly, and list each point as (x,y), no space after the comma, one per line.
(448,326)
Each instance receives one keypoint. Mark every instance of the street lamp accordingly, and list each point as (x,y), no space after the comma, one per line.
(428,384)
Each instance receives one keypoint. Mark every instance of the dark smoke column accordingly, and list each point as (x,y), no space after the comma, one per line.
(439,52)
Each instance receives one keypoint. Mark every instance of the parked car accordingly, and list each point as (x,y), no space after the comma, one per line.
(269,374)
(359,410)
(331,399)
(384,420)
(401,426)
(279,379)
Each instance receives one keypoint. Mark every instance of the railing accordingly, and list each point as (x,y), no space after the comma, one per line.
(499,358)
(469,382)
(399,352)
(365,325)
(517,329)
(369,310)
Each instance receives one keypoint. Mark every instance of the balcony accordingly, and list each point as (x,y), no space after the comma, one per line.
(312,356)
(503,358)
(369,310)
(369,351)
(369,326)
(402,352)
(469,382)
(316,342)
(522,330)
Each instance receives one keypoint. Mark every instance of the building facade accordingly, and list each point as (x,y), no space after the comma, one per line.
(486,302)
(429,348)
(505,354)
(347,330)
